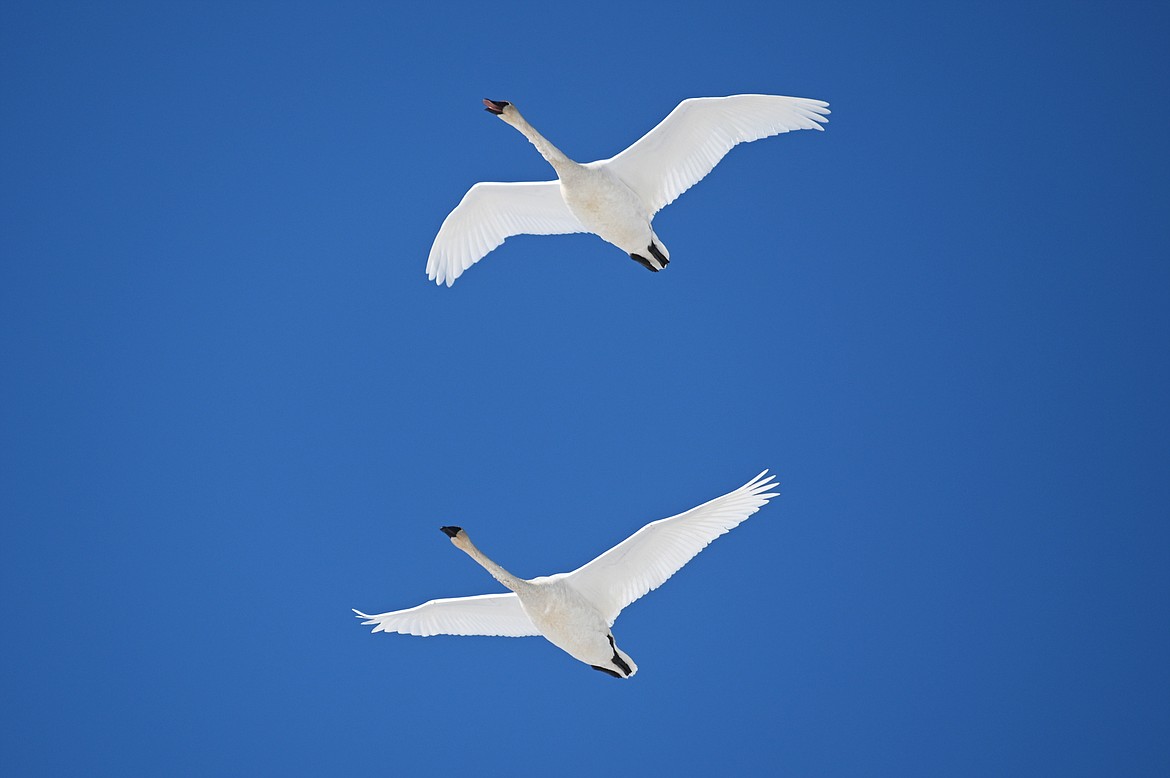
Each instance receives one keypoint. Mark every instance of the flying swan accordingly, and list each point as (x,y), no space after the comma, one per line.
(615,198)
(575,611)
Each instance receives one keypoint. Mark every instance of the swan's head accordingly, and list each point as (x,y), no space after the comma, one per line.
(498,107)
(506,111)
(457,535)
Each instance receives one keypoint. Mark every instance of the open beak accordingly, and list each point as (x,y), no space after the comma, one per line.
(495,106)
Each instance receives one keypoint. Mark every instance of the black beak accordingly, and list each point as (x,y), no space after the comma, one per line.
(495,106)
(451,531)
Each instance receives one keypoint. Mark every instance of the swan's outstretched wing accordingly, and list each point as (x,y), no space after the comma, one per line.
(642,562)
(484,614)
(491,212)
(687,144)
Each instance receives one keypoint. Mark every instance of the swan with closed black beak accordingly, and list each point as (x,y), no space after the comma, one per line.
(575,611)
(615,198)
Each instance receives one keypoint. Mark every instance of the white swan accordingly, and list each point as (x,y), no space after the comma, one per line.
(575,611)
(614,198)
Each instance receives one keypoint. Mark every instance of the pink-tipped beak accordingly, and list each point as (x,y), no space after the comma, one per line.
(495,106)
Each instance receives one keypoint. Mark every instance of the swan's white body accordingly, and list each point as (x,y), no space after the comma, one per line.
(575,611)
(615,198)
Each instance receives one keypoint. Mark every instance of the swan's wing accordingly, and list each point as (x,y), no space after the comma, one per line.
(642,562)
(484,614)
(687,144)
(491,212)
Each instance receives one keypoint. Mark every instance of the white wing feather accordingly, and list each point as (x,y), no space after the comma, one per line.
(688,143)
(645,560)
(484,614)
(489,213)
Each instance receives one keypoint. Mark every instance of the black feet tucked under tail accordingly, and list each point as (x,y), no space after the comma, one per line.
(657,252)
(607,671)
(617,660)
(654,252)
(641,260)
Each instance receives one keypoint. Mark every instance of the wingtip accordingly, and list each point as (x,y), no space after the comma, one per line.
(440,275)
(759,485)
(437,272)
(370,621)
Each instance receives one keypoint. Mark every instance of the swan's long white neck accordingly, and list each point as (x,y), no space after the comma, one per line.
(551,153)
(499,573)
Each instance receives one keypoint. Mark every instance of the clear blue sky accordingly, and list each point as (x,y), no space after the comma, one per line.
(232,407)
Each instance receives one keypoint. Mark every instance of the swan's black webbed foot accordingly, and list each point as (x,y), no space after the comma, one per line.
(606,670)
(657,252)
(641,260)
(617,660)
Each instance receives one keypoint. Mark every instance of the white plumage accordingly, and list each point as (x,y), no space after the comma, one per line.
(614,198)
(575,611)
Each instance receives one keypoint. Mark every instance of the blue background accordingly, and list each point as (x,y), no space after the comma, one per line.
(233,407)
